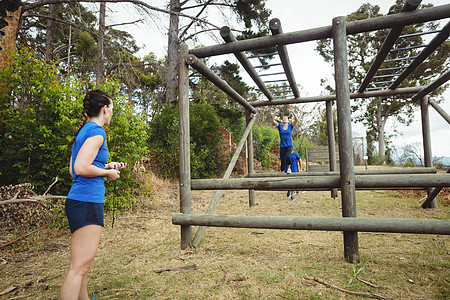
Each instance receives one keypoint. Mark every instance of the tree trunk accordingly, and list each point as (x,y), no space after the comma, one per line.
(381,122)
(99,69)
(49,45)
(172,54)
(10,12)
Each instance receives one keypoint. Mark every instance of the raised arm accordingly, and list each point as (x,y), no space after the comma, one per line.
(277,109)
(295,116)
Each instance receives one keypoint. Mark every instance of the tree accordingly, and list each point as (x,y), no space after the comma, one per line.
(10,11)
(39,116)
(375,112)
(250,12)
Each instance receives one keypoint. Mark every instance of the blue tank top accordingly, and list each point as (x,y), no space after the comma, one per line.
(285,135)
(89,189)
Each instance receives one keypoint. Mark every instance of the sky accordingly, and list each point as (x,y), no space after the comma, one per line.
(308,66)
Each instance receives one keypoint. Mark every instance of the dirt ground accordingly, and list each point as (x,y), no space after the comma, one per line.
(140,258)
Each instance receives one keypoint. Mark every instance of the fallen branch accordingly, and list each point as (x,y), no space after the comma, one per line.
(9,290)
(31,199)
(368,283)
(190,267)
(48,189)
(369,295)
(24,236)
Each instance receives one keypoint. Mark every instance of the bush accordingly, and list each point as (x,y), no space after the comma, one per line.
(36,121)
(265,139)
(38,118)
(207,151)
(127,142)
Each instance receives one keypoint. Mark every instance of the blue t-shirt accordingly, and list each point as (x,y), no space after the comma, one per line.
(89,189)
(295,158)
(285,135)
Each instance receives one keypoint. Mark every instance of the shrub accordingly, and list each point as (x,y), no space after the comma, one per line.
(265,138)
(39,116)
(36,121)
(207,155)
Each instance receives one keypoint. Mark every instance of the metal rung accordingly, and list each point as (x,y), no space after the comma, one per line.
(263,55)
(278,87)
(279,80)
(376,88)
(271,74)
(389,75)
(279,92)
(403,58)
(266,66)
(395,68)
(378,82)
(408,48)
(284,96)
(419,33)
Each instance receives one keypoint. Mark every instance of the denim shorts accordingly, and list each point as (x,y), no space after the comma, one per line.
(80,213)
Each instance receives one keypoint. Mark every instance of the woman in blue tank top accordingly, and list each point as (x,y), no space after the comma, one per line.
(84,203)
(285,131)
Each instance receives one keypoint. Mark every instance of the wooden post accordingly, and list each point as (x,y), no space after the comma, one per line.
(351,251)
(331,141)
(251,192)
(184,141)
(426,136)
(212,206)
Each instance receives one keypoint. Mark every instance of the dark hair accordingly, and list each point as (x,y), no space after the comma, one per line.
(92,104)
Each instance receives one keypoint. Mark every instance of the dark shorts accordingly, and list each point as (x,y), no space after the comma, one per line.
(80,213)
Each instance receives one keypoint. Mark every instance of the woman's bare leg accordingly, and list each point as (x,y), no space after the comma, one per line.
(83,248)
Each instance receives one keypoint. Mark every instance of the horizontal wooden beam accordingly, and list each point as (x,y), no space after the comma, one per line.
(400,91)
(219,82)
(430,170)
(333,181)
(371,24)
(421,226)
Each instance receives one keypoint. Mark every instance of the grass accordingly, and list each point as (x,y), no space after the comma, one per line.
(237,263)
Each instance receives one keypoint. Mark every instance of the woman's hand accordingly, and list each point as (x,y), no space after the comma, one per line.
(116,165)
(291,109)
(113,174)
(277,109)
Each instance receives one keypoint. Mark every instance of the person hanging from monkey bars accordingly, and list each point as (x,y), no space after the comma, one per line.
(285,132)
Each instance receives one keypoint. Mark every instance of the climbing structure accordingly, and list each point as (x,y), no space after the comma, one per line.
(375,84)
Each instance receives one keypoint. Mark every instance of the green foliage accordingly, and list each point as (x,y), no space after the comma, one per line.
(36,120)
(127,142)
(233,120)
(207,153)
(354,274)
(265,140)
(300,145)
(39,116)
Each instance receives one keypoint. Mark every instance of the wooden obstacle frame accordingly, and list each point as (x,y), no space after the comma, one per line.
(318,159)
(346,179)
